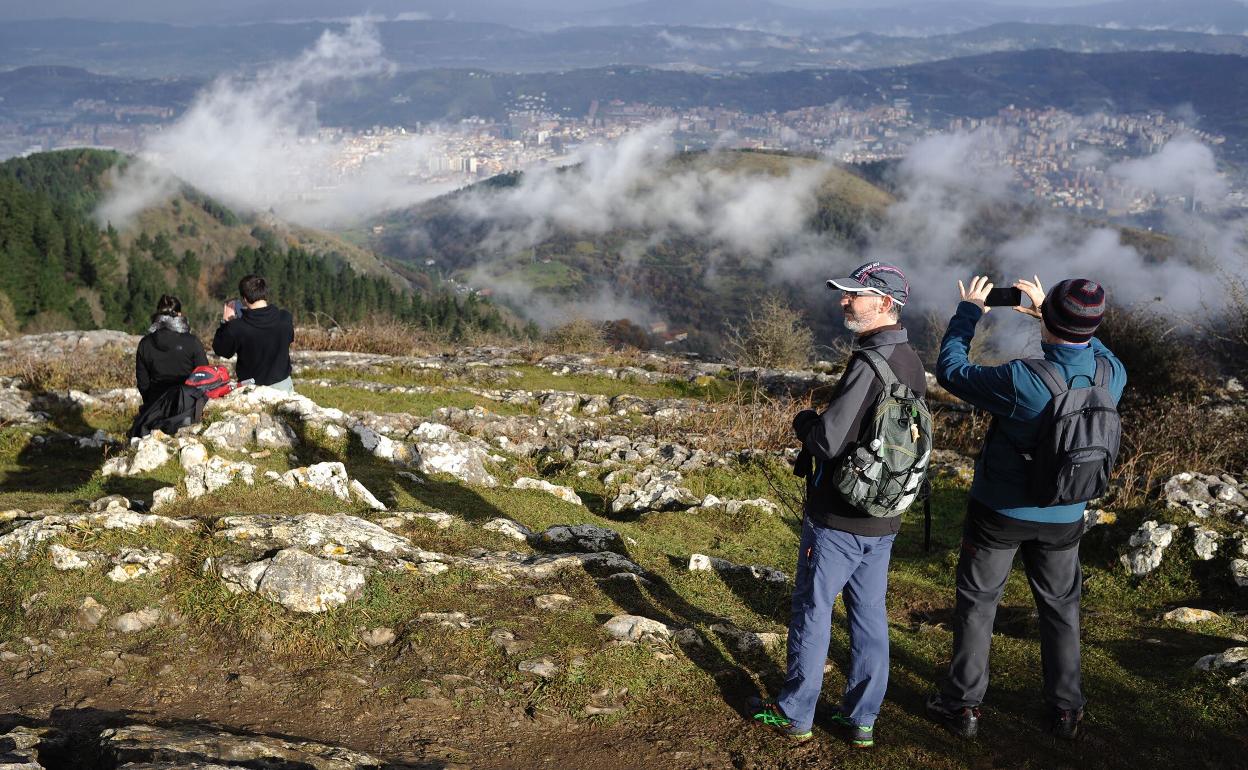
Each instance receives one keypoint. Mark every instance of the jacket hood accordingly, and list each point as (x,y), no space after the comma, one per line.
(164,328)
(262,317)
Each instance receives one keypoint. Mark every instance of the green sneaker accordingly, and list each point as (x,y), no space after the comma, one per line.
(860,736)
(768,713)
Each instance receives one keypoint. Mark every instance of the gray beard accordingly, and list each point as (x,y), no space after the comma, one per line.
(856,325)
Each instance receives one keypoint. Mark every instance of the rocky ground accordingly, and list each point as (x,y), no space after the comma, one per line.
(491,559)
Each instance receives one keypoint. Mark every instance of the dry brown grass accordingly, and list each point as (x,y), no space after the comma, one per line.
(381,337)
(110,368)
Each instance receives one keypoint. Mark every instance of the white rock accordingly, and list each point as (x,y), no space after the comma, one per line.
(1204,541)
(702,563)
(512,529)
(152,452)
(361,493)
(331,535)
(192,454)
(1239,572)
(1235,658)
(323,477)
(633,628)
(580,537)
(543,667)
(140,620)
(1149,543)
(65,559)
(553,602)
(164,496)
(382,447)
(567,494)
(378,637)
(1190,615)
(298,581)
(132,563)
(215,474)
(22,541)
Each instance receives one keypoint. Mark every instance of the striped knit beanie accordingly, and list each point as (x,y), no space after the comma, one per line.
(1073,309)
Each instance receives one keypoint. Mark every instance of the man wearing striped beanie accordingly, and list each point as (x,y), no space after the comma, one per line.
(1007,509)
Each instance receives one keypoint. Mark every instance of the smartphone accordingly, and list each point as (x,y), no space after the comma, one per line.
(1008,297)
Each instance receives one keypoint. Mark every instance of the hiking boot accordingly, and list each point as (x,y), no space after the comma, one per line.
(963,722)
(859,736)
(767,712)
(1064,723)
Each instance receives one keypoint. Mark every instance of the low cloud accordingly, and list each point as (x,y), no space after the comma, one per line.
(1183,167)
(254,144)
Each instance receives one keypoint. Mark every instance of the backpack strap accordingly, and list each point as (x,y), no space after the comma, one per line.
(879,364)
(1049,374)
(1103,372)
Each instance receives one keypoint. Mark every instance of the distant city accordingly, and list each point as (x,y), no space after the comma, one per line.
(1058,157)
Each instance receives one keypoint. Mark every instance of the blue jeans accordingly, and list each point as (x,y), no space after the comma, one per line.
(830,561)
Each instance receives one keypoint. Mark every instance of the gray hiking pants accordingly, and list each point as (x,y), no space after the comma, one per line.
(1051,559)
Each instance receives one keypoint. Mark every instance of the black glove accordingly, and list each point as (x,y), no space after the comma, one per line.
(804,421)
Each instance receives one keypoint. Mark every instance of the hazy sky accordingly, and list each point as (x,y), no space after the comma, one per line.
(177,10)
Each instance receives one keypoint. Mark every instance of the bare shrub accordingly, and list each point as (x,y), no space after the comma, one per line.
(580,335)
(775,336)
(1159,361)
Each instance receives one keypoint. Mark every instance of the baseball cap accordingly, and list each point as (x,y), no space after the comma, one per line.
(876,278)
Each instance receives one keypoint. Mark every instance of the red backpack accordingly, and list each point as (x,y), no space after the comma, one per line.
(212,381)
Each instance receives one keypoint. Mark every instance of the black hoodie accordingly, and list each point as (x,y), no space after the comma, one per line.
(261,338)
(166,356)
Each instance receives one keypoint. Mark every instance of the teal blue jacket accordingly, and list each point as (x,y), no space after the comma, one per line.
(1016,397)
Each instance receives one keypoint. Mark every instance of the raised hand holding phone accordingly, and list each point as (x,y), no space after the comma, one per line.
(1034,292)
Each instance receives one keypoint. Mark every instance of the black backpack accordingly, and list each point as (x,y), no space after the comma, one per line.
(1080,433)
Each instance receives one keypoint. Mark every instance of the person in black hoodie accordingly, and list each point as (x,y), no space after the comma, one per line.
(167,353)
(259,334)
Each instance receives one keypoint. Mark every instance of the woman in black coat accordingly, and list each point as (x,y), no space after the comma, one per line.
(168,352)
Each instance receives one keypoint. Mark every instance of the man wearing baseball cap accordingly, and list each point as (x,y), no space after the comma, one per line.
(843,549)
(1006,510)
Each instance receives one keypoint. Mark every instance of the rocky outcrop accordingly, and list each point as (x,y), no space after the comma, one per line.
(170,748)
(296,580)
(566,494)
(237,432)
(331,478)
(580,537)
(635,628)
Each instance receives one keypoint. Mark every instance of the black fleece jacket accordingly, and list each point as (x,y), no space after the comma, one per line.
(166,356)
(261,338)
(840,425)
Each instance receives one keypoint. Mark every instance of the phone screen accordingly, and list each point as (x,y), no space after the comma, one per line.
(1007,297)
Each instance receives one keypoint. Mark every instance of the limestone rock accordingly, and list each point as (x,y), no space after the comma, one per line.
(132,563)
(323,477)
(553,602)
(164,496)
(579,537)
(215,473)
(360,493)
(635,628)
(1239,572)
(1149,543)
(544,667)
(331,536)
(1235,659)
(1204,541)
(1189,615)
(700,563)
(89,613)
(65,559)
(383,447)
(440,449)
(1094,517)
(236,432)
(297,581)
(140,620)
(567,494)
(20,542)
(512,529)
(653,490)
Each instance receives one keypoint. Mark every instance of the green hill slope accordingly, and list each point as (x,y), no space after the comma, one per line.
(59,270)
